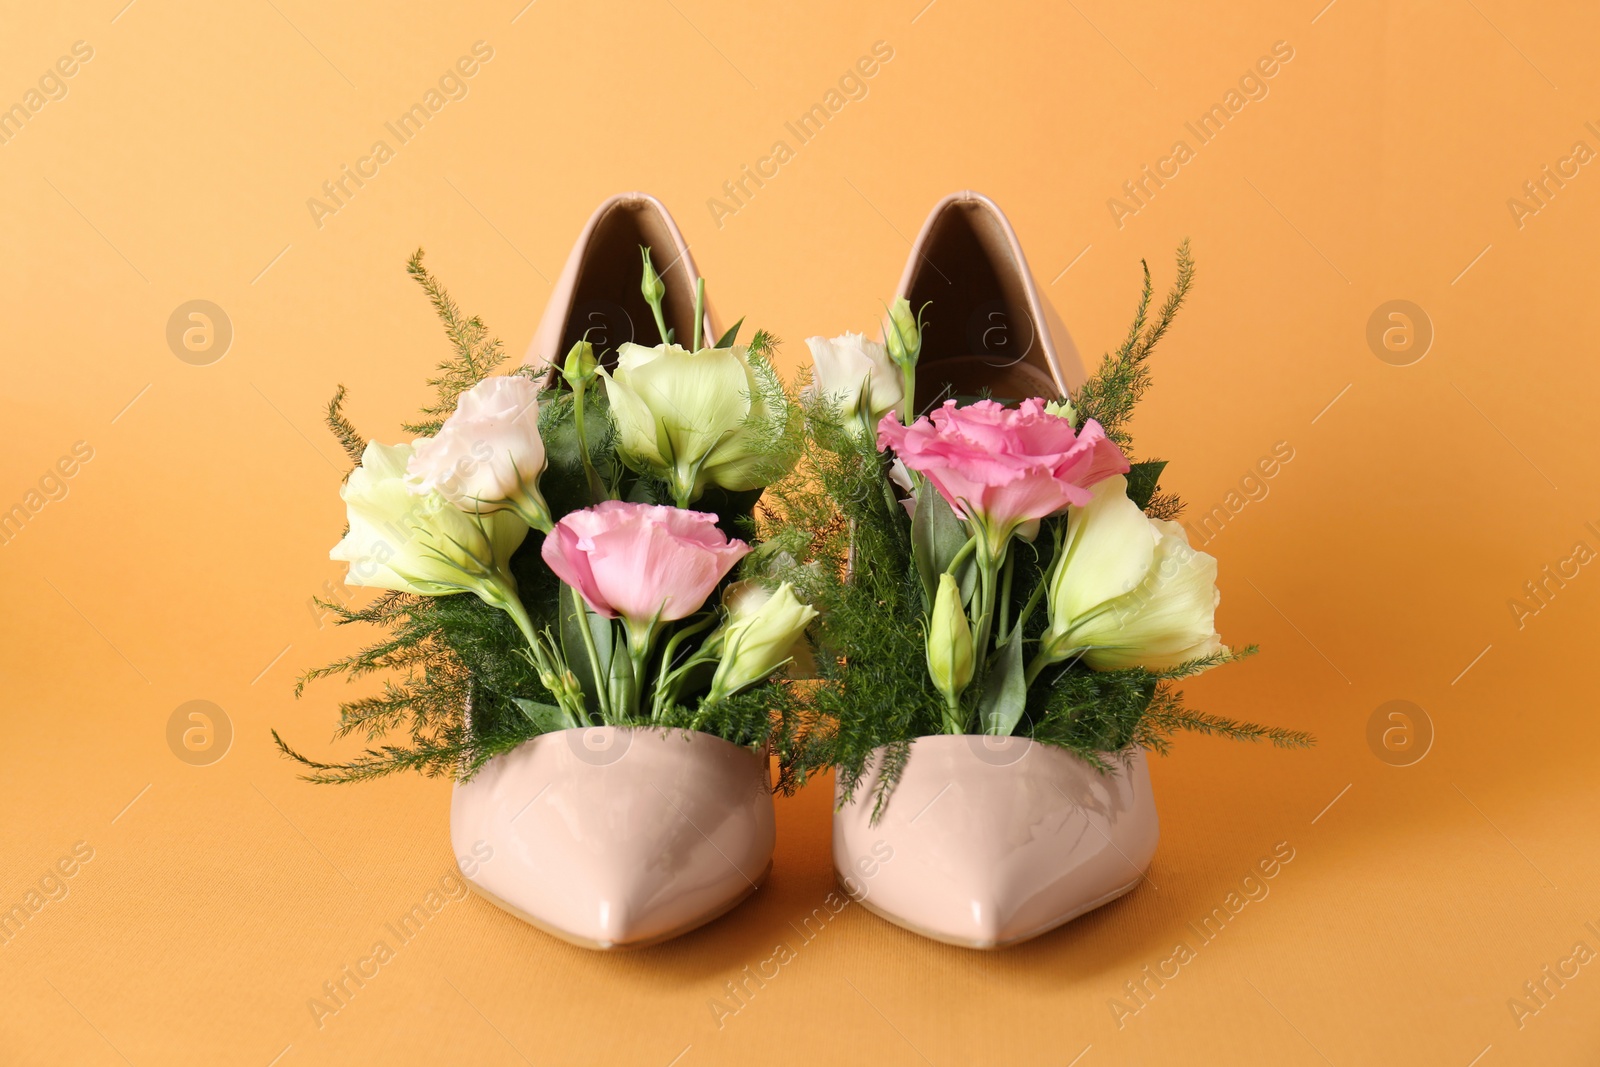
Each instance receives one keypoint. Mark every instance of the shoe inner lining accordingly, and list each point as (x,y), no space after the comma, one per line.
(606,300)
(979,336)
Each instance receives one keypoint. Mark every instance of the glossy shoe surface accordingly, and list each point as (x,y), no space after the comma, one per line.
(989,327)
(612,837)
(988,841)
(598,291)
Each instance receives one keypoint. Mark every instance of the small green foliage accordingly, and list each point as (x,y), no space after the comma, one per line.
(844,543)
(776,419)
(440,653)
(1111,395)
(476,352)
(1113,391)
(1164,506)
(350,438)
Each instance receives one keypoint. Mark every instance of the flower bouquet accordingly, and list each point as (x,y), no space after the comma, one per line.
(1006,605)
(555,550)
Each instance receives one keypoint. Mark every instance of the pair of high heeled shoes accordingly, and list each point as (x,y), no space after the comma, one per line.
(628,852)
(989,329)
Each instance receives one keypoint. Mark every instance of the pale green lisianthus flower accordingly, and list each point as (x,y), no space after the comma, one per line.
(1128,590)
(701,418)
(420,542)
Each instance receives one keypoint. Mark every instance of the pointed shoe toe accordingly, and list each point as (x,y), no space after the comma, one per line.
(989,841)
(614,837)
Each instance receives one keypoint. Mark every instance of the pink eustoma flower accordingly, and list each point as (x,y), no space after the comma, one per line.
(1001,468)
(641,561)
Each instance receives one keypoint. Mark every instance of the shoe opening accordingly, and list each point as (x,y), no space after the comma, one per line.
(607,303)
(980,338)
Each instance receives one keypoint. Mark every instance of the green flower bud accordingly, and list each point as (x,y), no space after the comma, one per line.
(581,365)
(651,286)
(903,339)
(654,289)
(950,655)
(1062,409)
(568,691)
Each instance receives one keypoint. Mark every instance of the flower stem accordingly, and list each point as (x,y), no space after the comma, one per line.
(988,572)
(1045,657)
(699,312)
(534,514)
(666,677)
(953,718)
(508,601)
(961,556)
(597,490)
(602,681)
(640,642)
(1005,598)
(1027,609)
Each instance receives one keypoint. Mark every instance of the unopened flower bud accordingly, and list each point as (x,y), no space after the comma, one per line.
(903,339)
(651,285)
(950,656)
(581,365)
(1062,409)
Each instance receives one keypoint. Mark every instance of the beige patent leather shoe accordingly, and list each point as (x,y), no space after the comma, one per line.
(616,837)
(988,326)
(598,291)
(989,841)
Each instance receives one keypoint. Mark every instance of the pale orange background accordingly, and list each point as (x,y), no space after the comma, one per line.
(180,564)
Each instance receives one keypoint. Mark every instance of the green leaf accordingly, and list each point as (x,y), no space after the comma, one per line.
(574,615)
(1005,691)
(1142,480)
(727,339)
(547,718)
(936,537)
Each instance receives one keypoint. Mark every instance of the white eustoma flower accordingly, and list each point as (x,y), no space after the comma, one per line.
(857,375)
(488,455)
(761,633)
(1128,590)
(421,543)
(695,418)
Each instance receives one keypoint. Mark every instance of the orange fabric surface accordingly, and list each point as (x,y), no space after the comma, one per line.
(1384,159)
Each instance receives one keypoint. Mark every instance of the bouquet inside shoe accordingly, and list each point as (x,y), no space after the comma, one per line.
(568,636)
(556,547)
(1006,606)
